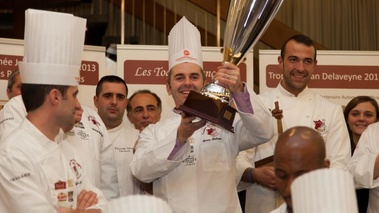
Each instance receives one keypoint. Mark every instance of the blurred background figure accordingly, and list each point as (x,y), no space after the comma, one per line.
(14,84)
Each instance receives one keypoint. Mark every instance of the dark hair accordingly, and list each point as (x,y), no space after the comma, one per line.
(33,95)
(144,91)
(353,103)
(112,79)
(12,78)
(299,38)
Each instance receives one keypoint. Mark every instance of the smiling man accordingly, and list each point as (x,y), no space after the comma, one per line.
(192,164)
(300,106)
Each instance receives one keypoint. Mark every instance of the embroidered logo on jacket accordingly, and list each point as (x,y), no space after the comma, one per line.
(93,120)
(320,126)
(62,197)
(83,135)
(60,185)
(76,167)
(211,130)
(79,125)
(191,159)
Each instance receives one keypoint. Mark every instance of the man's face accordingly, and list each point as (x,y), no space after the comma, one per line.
(297,66)
(144,111)
(289,164)
(69,109)
(15,89)
(111,103)
(184,78)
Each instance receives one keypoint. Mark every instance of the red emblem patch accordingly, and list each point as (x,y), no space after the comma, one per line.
(60,185)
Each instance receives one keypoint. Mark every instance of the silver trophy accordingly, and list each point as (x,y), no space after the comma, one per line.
(247,20)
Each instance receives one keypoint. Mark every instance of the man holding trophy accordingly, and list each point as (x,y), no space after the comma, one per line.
(192,163)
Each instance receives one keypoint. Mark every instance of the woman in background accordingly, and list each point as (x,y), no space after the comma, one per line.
(360,112)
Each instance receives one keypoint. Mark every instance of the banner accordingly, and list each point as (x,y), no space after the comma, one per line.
(92,68)
(339,75)
(145,67)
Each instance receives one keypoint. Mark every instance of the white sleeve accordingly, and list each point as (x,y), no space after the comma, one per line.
(11,116)
(154,146)
(361,165)
(244,160)
(337,143)
(254,129)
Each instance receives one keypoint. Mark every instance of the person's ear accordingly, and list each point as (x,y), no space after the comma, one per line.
(280,62)
(168,88)
(9,93)
(55,96)
(95,100)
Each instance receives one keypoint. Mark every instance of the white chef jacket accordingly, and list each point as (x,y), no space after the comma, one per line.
(89,137)
(201,176)
(38,174)
(362,165)
(307,109)
(281,209)
(11,116)
(123,139)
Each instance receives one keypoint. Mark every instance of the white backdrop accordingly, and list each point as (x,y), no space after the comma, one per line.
(339,75)
(93,68)
(145,67)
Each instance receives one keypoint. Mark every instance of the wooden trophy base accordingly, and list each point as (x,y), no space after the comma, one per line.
(209,109)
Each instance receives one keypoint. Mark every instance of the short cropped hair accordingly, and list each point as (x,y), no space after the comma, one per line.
(299,38)
(144,91)
(112,79)
(34,95)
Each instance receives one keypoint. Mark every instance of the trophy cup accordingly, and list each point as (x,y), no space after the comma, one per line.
(246,22)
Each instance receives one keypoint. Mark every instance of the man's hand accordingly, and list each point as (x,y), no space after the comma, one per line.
(229,74)
(265,176)
(86,199)
(187,127)
(276,112)
(78,114)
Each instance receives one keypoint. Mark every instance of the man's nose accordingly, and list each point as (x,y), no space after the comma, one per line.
(114,99)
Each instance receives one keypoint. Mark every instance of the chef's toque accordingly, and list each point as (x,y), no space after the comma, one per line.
(324,190)
(53,46)
(184,44)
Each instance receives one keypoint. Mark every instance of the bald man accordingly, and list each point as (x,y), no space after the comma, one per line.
(298,150)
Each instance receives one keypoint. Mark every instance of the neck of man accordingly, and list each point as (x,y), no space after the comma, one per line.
(112,124)
(44,122)
(293,91)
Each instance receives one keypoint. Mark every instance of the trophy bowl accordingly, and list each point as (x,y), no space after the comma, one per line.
(247,20)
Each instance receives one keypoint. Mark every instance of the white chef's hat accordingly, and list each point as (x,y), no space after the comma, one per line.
(53,48)
(324,190)
(184,44)
(138,204)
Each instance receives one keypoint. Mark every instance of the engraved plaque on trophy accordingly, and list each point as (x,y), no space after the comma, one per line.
(246,22)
